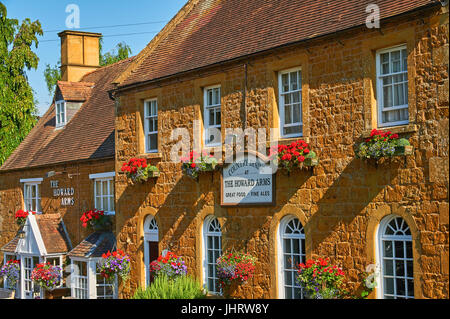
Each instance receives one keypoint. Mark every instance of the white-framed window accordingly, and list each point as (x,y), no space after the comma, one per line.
(151,125)
(32,196)
(392,86)
(104,191)
(103,288)
(291,252)
(61,114)
(87,283)
(29,289)
(212,115)
(396,259)
(212,243)
(151,250)
(79,276)
(290,100)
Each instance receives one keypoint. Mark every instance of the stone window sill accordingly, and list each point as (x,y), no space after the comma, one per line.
(151,155)
(410,128)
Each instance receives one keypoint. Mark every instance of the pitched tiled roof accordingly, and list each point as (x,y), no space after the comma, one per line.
(95,245)
(88,135)
(206,32)
(75,91)
(53,233)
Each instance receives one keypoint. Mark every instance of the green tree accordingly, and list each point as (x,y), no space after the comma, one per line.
(52,74)
(17,103)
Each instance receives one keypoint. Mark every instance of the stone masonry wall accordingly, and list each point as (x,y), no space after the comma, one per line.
(342,200)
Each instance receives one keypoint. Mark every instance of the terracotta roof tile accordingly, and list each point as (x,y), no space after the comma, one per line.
(95,245)
(88,135)
(53,233)
(75,91)
(215,31)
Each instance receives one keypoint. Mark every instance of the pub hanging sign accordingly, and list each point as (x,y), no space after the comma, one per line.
(248,181)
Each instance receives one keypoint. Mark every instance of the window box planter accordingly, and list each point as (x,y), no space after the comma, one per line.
(383,144)
(96,220)
(198,163)
(295,155)
(138,170)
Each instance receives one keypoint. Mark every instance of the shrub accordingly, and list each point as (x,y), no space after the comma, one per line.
(181,287)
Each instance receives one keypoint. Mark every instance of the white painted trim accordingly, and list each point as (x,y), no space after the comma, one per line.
(149,236)
(31,180)
(281,103)
(37,234)
(206,119)
(146,128)
(102,175)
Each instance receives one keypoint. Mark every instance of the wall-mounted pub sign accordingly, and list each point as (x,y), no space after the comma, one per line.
(66,193)
(248,180)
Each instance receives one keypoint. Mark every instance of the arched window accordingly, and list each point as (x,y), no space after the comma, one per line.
(212,239)
(291,252)
(151,240)
(396,259)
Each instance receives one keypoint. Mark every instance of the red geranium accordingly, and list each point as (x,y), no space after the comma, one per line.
(93,218)
(292,155)
(21,216)
(138,169)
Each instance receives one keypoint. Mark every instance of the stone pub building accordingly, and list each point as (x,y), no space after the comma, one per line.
(302,70)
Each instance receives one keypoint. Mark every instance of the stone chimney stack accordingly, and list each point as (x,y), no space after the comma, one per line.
(79,54)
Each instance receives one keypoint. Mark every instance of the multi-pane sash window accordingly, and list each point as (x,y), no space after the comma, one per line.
(32,197)
(213,250)
(293,253)
(79,279)
(290,91)
(151,125)
(104,194)
(397,279)
(212,115)
(104,289)
(60,113)
(392,86)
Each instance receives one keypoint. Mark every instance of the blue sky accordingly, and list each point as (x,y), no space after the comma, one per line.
(97,14)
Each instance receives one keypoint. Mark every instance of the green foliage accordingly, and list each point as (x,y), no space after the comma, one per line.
(181,287)
(120,52)
(402,142)
(52,75)
(17,103)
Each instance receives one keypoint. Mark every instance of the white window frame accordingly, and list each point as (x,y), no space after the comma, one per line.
(381,257)
(282,104)
(109,178)
(206,249)
(35,291)
(154,118)
(281,252)
(151,234)
(379,82)
(28,197)
(217,108)
(59,121)
(90,291)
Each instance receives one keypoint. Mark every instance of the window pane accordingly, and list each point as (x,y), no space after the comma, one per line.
(292,130)
(389,285)
(388,267)
(287,115)
(285,82)
(399,249)
(153,141)
(387,248)
(296,113)
(293,81)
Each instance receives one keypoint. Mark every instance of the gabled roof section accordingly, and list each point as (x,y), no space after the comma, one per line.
(206,32)
(75,91)
(94,245)
(88,135)
(45,234)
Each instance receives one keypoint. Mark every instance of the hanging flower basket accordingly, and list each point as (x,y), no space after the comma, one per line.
(295,155)
(115,264)
(138,170)
(11,271)
(383,144)
(47,276)
(96,220)
(233,270)
(197,163)
(21,217)
(320,280)
(168,264)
